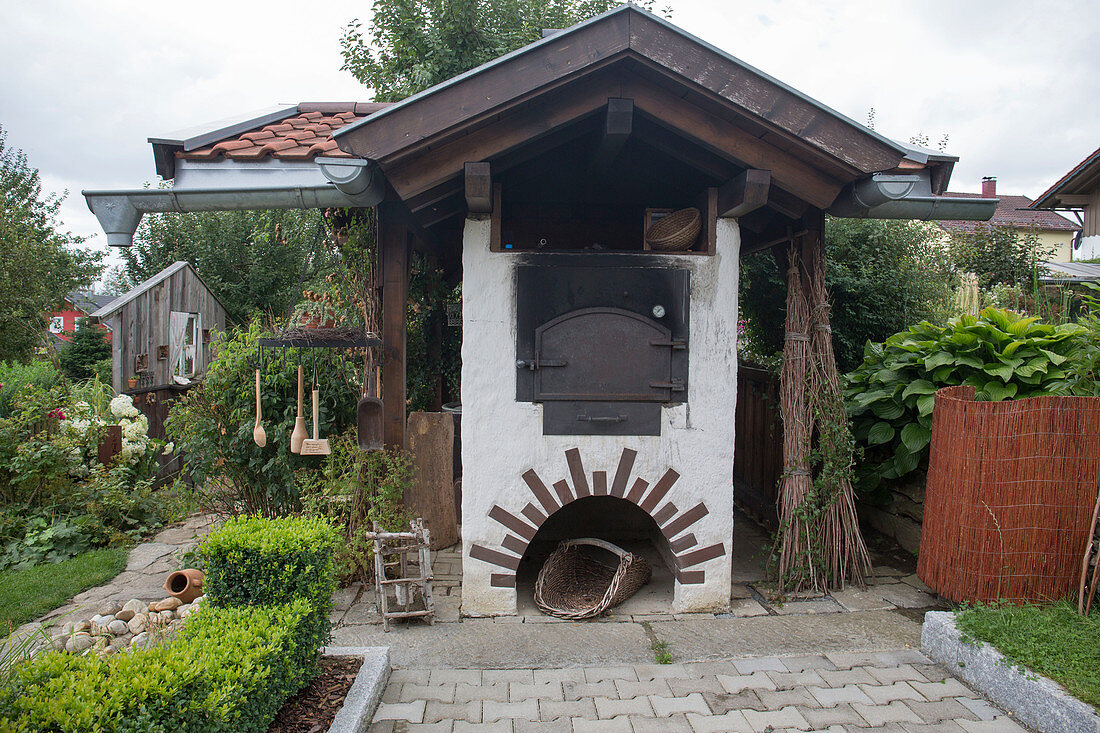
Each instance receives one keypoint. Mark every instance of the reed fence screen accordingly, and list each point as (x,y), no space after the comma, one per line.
(1011,489)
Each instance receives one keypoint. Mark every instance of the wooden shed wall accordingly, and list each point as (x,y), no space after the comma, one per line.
(141,326)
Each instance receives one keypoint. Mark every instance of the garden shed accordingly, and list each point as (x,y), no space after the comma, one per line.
(599,372)
(162,331)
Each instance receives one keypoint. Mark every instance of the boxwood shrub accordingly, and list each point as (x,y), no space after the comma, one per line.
(230,669)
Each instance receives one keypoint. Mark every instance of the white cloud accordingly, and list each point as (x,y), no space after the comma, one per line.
(1015,84)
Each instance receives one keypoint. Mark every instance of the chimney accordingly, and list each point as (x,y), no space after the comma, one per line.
(989,187)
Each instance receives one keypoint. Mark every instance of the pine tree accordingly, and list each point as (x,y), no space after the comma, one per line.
(88,346)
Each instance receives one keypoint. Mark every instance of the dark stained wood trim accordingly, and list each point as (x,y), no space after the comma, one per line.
(744,193)
(502,580)
(599,483)
(731,142)
(533,514)
(512,522)
(558,60)
(395,294)
(637,490)
(700,556)
(494,557)
(622,473)
(618,122)
(678,546)
(758,95)
(685,520)
(660,489)
(787,204)
(496,224)
(478,187)
(665,513)
(514,544)
(538,488)
(576,471)
(564,493)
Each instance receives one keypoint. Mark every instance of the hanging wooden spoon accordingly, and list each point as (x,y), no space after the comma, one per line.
(258,433)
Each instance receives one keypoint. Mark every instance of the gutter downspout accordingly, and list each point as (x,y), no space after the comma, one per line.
(908,196)
(353,183)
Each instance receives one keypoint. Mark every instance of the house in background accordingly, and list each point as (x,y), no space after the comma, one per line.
(162,330)
(1053,230)
(1079,191)
(78,304)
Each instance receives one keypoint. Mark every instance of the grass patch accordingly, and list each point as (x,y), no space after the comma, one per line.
(1050,639)
(27,594)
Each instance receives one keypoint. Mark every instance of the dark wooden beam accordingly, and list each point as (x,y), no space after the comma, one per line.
(618,123)
(479,188)
(394,249)
(787,204)
(744,194)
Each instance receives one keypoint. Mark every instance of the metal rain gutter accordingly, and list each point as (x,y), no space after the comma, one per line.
(353,183)
(907,196)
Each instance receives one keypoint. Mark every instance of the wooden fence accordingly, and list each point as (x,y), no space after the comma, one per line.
(758,443)
(1011,487)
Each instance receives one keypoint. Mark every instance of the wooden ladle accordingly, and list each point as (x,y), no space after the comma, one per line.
(258,433)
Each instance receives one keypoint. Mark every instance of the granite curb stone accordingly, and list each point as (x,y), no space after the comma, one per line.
(366,691)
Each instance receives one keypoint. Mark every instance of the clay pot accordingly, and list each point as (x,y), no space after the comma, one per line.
(185,584)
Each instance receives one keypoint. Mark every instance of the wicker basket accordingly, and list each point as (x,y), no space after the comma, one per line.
(577,581)
(675,232)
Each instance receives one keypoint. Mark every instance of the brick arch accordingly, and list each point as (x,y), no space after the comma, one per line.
(673,522)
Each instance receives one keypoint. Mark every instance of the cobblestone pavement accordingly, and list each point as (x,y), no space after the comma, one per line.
(887,691)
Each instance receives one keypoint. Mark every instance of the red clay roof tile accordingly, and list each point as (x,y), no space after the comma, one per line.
(301,137)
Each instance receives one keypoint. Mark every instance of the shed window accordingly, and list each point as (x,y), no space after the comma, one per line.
(185,346)
(57,324)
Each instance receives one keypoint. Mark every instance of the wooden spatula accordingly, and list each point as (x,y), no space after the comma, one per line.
(258,433)
(299,433)
(315,446)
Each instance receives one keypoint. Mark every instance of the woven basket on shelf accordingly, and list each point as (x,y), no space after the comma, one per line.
(675,232)
(577,581)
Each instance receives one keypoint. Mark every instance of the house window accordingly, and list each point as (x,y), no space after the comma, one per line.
(185,346)
(57,324)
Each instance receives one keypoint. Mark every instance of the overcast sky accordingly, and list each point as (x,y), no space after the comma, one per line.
(1015,84)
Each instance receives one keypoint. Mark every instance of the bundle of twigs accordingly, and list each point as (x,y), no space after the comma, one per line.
(796,482)
(844,553)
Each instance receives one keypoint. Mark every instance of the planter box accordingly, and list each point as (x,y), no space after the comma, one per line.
(1036,701)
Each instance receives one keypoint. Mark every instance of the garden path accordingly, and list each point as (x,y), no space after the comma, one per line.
(147,567)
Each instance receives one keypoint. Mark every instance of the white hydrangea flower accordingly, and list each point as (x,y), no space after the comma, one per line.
(169,449)
(123,407)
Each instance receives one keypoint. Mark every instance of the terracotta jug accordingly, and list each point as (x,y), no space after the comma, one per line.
(185,584)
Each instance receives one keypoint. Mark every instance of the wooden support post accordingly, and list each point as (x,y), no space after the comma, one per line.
(744,193)
(617,126)
(479,188)
(394,248)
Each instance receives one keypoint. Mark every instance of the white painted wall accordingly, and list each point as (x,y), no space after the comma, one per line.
(1090,248)
(502,438)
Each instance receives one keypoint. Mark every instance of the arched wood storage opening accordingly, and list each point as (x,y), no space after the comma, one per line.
(618,521)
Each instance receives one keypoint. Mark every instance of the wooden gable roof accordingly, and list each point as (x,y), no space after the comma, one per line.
(727,111)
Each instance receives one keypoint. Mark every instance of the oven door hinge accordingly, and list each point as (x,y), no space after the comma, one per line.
(675,344)
(675,385)
(538,363)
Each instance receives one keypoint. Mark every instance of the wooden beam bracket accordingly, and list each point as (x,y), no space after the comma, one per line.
(479,188)
(618,124)
(744,194)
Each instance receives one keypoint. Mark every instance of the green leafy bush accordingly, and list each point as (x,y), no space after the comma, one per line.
(354,489)
(14,377)
(255,561)
(890,396)
(88,346)
(212,424)
(999,254)
(230,669)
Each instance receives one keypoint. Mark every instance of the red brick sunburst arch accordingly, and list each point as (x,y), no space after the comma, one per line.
(673,523)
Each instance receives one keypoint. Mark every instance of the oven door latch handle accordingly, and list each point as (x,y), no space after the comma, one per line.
(676,385)
(614,419)
(537,363)
(675,344)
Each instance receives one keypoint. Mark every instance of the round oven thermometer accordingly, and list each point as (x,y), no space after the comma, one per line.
(658,311)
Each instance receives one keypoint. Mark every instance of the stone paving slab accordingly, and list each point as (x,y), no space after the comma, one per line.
(902,697)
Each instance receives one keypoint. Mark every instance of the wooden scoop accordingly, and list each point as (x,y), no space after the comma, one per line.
(258,433)
(315,446)
(299,433)
(368,414)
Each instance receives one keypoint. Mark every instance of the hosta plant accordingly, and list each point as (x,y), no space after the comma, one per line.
(891,394)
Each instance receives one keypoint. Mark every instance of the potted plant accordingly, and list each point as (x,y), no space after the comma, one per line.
(132,382)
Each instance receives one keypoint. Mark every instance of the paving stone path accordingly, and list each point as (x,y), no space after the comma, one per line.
(900,691)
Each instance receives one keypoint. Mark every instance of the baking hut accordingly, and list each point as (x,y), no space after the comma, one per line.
(598,363)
